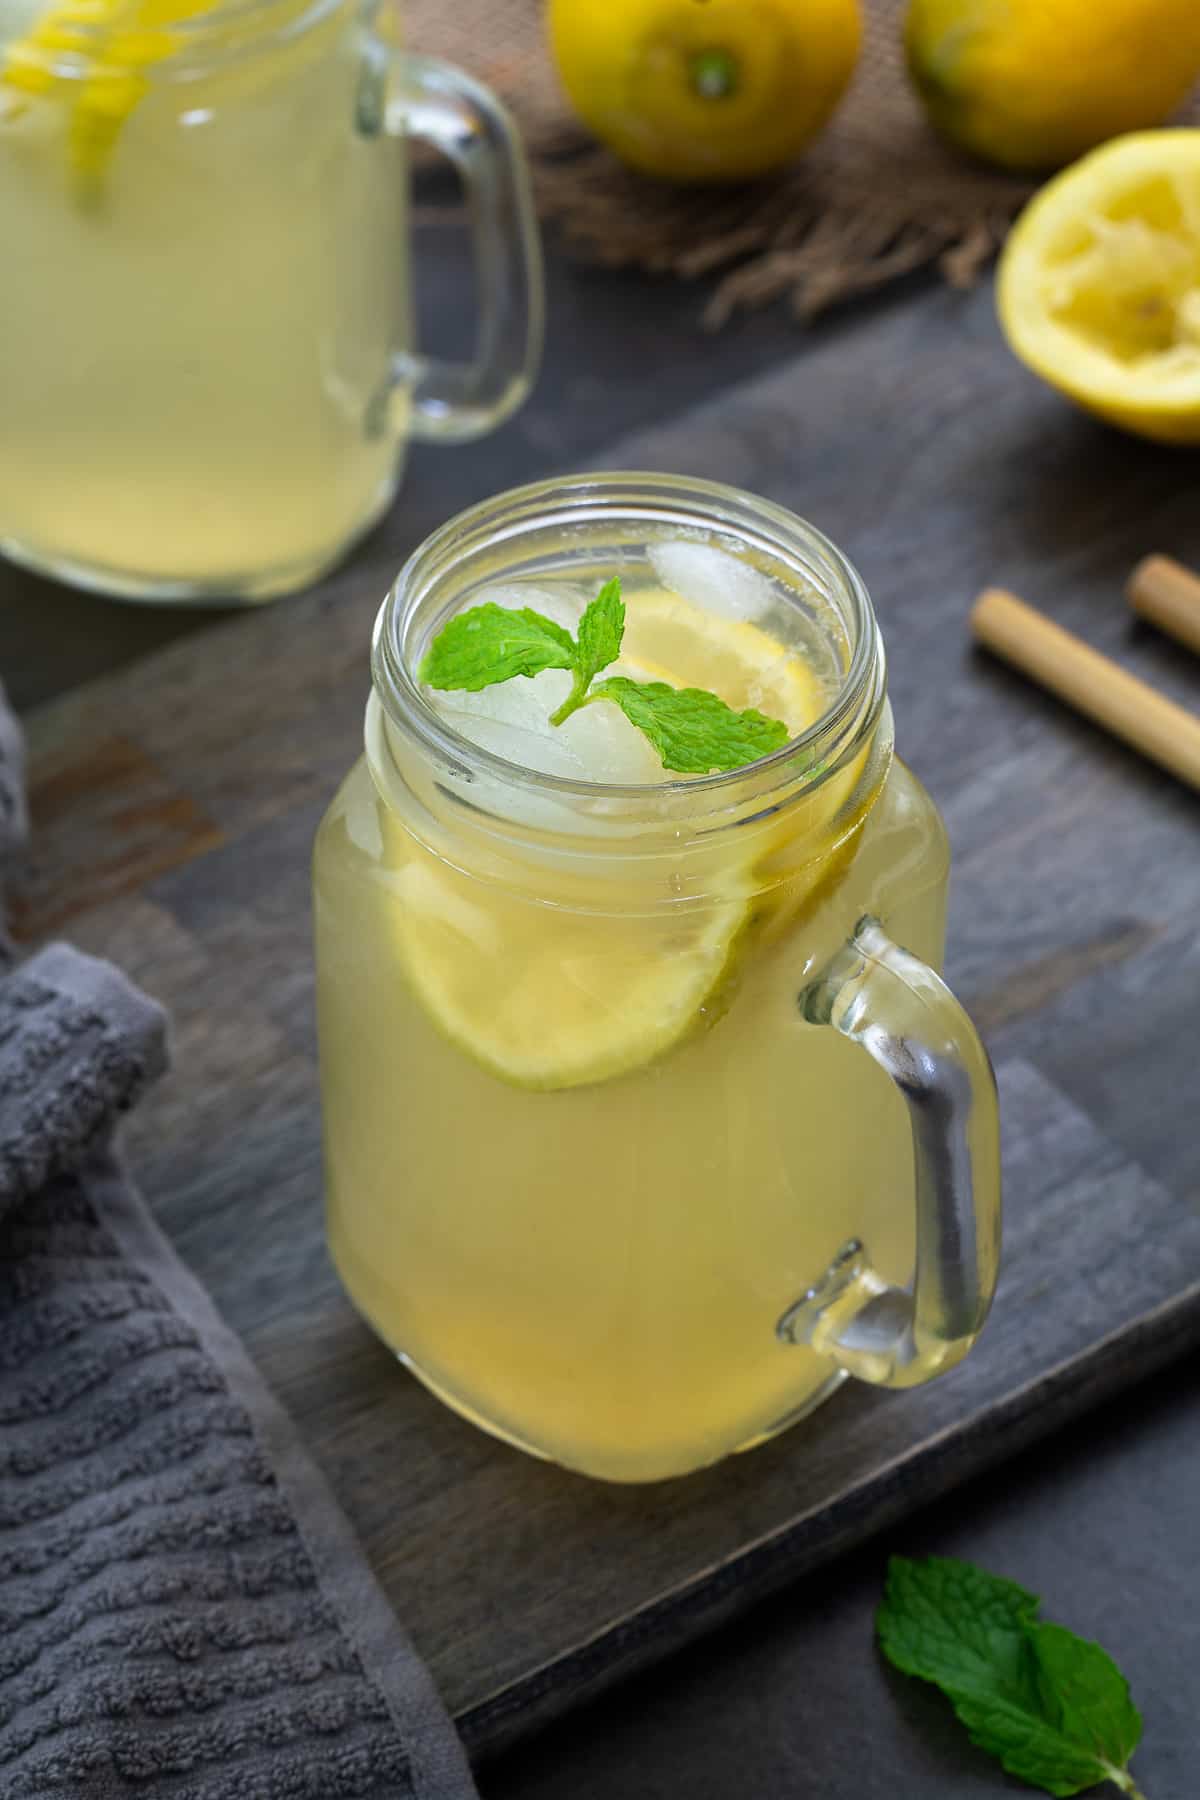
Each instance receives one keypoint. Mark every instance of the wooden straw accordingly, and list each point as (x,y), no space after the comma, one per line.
(1168,595)
(1091,683)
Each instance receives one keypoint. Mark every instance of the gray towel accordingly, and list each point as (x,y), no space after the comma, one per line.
(13,821)
(184,1614)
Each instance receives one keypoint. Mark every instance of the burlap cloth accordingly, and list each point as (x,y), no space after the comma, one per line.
(876,195)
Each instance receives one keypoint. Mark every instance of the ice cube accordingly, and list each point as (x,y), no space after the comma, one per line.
(609,748)
(559,604)
(711,578)
(526,701)
(512,718)
(546,752)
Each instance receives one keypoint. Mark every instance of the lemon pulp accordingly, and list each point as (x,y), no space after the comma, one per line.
(1099,287)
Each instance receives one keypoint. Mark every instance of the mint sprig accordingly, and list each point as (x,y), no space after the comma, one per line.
(693,731)
(1054,1708)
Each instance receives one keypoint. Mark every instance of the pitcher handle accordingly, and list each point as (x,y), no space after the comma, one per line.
(906,1018)
(454,401)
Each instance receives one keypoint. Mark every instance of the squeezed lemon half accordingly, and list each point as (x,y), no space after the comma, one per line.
(1098,290)
(548,998)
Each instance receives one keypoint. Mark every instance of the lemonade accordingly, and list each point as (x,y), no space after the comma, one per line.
(583,1152)
(198,316)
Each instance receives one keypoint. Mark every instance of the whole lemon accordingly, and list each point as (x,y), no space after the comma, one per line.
(705,90)
(1032,84)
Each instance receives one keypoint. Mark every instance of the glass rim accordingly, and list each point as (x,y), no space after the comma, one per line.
(630,495)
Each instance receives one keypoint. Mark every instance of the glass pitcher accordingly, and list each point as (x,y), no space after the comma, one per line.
(206,348)
(648,1117)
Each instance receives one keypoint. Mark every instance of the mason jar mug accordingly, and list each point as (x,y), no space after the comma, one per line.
(206,348)
(648,1117)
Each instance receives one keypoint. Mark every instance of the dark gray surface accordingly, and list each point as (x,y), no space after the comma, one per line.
(938,466)
(793,1702)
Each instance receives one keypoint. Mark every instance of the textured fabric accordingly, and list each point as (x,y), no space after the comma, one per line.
(184,1614)
(13,822)
(77,1045)
(877,195)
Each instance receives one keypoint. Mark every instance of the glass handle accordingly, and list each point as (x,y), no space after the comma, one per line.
(906,1018)
(461,118)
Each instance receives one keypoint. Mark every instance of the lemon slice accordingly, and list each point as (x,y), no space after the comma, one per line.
(1099,287)
(748,667)
(730,657)
(547,998)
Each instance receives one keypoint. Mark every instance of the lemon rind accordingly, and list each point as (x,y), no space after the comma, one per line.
(1060,356)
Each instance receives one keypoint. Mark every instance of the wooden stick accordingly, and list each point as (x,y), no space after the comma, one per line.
(1091,683)
(1167,594)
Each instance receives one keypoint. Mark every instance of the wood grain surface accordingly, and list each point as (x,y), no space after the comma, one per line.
(178,801)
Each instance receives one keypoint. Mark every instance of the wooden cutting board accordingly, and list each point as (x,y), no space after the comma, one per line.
(175,806)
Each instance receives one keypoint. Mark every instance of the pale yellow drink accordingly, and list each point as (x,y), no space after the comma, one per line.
(582,1151)
(198,315)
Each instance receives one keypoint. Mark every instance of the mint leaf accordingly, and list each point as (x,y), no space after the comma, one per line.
(1052,1707)
(693,732)
(951,1623)
(600,632)
(490,643)
(1040,1743)
(1085,1693)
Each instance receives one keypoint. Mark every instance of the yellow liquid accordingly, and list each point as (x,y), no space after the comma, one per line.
(597,1273)
(195,358)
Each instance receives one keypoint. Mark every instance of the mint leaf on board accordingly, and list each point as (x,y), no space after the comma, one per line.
(693,731)
(949,1622)
(1052,1707)
(1086,1694)
(492,643)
